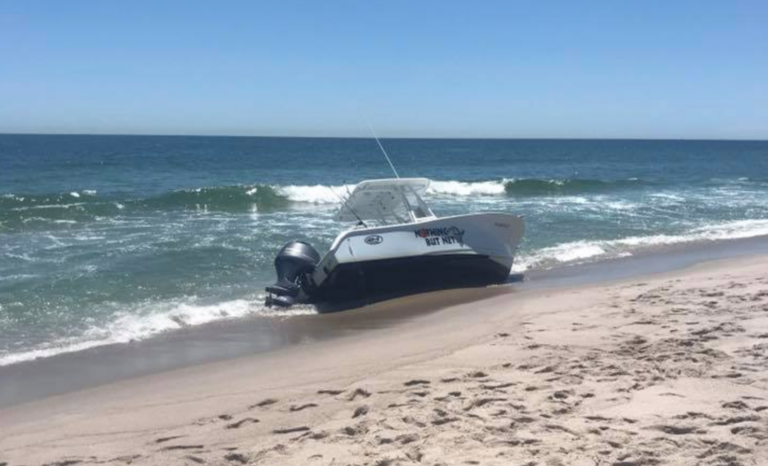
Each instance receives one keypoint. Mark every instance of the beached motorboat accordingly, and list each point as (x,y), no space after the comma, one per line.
(398,245)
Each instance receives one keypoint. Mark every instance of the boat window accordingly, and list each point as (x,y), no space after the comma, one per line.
(416,205)
(385,203)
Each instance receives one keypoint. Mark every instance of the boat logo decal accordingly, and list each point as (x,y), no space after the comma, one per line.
(442,235)
(373,239)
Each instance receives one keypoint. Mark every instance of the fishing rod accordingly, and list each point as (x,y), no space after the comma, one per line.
(344,203)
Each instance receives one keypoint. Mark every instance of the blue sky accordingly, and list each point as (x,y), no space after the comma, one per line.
(636,69)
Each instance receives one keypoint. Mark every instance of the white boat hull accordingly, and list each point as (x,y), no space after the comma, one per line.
(463,250)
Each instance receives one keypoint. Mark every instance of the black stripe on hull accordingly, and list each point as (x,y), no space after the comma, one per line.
(365,280)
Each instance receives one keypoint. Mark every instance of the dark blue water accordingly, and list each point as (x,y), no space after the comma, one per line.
(105,239)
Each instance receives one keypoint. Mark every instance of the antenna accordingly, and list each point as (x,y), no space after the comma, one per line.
(380,146)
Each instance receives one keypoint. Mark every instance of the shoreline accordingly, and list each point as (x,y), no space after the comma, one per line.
(242,337)
(670,367)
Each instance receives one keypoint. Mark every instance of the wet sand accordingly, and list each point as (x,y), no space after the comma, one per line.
(667,369)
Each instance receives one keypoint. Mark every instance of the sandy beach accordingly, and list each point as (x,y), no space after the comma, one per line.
(667,369)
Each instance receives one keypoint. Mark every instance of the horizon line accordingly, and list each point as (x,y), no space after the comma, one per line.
(467,138)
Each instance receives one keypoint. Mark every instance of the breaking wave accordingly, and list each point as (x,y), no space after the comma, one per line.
(533,187)
(22,211)
(81,205)
(461,188)
(152,319)
(17,211)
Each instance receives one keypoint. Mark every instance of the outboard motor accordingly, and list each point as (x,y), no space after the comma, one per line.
(296,259)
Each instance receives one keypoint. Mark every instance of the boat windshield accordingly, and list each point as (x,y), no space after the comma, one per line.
(386,202)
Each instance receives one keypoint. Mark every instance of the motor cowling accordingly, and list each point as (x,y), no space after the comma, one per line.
(294,260)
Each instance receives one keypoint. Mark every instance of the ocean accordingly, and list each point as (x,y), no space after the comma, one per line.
(113,239)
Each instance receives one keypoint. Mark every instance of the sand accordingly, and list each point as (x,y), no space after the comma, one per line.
(668,370)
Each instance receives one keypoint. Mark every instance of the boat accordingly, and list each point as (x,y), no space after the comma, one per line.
(397,245)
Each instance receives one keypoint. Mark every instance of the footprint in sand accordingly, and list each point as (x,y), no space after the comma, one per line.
(405,439)
(359,392)
(524,419)
(241,422)
(444,420)
(396,405)
(330,392)
(355,430)
(546,370)
(319,435)
(162,439)
(736,420)
(497,386)
(411,420)
(261,404)
(678,430)
(448,396)
(414,454)
(411,383)
(482,402)
(236,458)
(290,430)
(562,394)
(183,447)
(750,431)
(296,408)
(560,428)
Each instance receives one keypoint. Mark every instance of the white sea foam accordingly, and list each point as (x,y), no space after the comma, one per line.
(461,188)
(23,256)
(16,277)
(581,251)
(317,194)
(562,253)
(323,194)
(49,206)
(150,320)
(667,196)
